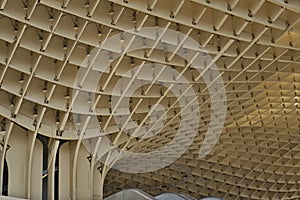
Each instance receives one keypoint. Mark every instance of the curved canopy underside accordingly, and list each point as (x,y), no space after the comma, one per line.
(255,46)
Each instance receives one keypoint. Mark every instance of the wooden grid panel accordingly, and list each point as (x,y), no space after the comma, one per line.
(255,45)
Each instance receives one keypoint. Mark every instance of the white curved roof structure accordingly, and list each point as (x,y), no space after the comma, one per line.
(205,102)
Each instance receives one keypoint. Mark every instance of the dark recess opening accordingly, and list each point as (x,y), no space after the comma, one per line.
(44,141)
(5,179)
